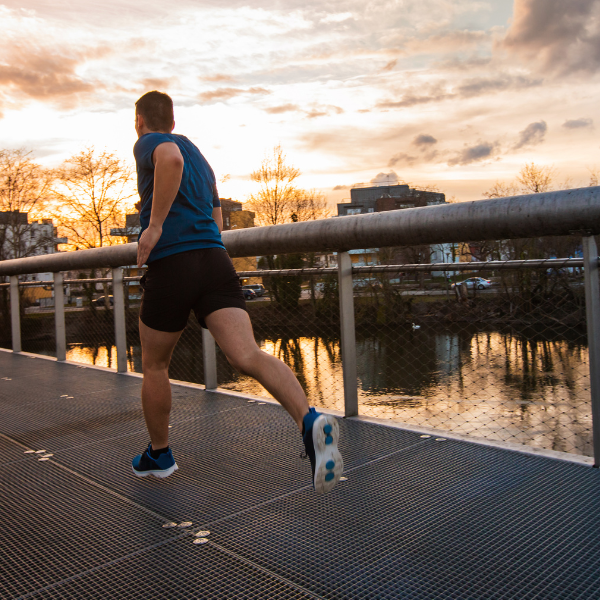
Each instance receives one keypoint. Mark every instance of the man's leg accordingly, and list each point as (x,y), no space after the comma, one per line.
(232,330)
(157,348)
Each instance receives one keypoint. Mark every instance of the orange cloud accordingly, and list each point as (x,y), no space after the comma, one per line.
(43,73)
(228,93)
(563,36)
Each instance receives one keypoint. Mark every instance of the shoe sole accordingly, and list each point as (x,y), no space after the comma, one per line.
(326,426)
(162,473)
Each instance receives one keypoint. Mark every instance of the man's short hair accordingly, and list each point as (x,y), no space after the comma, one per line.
(157,110)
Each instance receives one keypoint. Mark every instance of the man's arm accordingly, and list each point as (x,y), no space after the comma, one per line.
(168,169)
(217,215)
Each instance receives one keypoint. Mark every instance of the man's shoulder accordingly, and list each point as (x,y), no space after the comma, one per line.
(153,139)
(148,142)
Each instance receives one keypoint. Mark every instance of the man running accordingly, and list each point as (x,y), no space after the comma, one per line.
(189,269)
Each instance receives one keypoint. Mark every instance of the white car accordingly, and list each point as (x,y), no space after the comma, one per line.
(475,282)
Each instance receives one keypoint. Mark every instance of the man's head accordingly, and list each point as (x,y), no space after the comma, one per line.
(154,112)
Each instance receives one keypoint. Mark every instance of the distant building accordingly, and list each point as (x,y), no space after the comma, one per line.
(235,217)
(365,199)
(132,228)
(19,238)
(130,232)
(379,198)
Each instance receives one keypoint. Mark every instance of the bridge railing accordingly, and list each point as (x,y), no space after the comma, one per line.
(352,301)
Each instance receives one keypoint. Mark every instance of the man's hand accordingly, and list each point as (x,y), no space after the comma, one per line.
(147,241)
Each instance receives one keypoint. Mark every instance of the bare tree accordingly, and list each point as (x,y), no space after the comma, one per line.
(530,179)
(24,188)
(501,189)
(309,205)
(273,202)
(92,193)
(536,179)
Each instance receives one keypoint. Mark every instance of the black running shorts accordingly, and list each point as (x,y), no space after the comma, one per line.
(200,280)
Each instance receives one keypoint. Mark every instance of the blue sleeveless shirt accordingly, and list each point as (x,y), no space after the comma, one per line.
(189,224)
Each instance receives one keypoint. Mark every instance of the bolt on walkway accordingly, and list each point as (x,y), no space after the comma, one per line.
(417,518)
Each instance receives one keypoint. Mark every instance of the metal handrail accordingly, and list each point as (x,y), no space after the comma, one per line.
(552,213)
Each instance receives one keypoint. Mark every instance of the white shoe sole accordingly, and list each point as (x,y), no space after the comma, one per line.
(326,453)
(162,473)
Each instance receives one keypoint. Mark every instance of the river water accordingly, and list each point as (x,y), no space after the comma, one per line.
(530,387)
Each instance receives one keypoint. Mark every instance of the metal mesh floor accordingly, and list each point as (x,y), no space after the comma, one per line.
(417,518)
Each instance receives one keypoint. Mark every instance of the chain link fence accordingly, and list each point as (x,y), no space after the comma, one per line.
(500,354)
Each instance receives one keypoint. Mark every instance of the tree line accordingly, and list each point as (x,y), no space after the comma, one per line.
(86,196)
(91,191)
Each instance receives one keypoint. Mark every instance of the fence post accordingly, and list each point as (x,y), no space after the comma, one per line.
(592,310)
(119,317)
(15,315)
(59,317)
(209,359)
(348,334)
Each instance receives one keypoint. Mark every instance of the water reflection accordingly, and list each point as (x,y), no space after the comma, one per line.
(528,387)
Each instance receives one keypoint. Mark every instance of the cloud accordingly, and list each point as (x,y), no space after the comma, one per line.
(532,135)
(402,159)
(413,98)
(446,41)
(324,111)
(563,36)
(313,114)
(390,178)
(472,87)
(579,124)
(227,93)
(276,110)
(47,74)
(337,17)
(217,78)
(156,83)
(425,144)
(341,187)
(424,140)
(390,66)
(481,85)
(471,154)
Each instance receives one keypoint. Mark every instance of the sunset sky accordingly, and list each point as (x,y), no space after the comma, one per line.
(457,93)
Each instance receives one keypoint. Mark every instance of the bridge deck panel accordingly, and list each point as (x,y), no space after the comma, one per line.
(417,518)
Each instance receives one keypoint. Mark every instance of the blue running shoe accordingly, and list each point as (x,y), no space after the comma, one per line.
(320,436)
(163,466)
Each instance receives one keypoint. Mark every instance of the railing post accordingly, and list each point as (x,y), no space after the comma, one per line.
(59,317)
(209,358)
(15,315)
(592,310)
(348,334)
(119,317)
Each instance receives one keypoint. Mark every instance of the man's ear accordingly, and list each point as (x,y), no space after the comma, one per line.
(173,126)
(139,120)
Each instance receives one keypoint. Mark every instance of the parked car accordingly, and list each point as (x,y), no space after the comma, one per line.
(366,283)
(257,288)
(100,301)
(475,282)
(248,294)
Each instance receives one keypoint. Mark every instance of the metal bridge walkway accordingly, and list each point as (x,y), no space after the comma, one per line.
(417,518)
